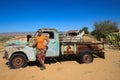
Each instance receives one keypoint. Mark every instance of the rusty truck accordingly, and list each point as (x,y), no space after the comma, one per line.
(19,51)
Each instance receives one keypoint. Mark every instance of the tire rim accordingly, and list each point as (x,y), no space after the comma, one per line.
(86,58)
(18,62)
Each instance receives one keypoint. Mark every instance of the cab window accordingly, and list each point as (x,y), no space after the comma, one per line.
(51,34)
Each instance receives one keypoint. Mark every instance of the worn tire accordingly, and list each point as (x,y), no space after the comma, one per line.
(85,57)
(17,61)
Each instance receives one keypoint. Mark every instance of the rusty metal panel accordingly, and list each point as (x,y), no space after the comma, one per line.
(68,49)
(81,48)
(96,47)
(84,47)
(17,41)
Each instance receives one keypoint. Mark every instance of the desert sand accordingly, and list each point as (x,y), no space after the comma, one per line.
(99,69)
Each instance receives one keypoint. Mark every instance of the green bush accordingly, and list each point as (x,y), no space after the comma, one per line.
(113,39)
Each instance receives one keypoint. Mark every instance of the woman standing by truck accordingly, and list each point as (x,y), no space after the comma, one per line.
(41,47)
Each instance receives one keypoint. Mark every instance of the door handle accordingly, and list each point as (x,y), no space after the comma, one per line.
(53,42)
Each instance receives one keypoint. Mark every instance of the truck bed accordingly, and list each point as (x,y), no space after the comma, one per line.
(79,47)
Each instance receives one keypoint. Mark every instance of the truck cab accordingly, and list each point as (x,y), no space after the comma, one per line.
(53,46)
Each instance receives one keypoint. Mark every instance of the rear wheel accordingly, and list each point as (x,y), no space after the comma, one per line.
(17,61)
(85,57)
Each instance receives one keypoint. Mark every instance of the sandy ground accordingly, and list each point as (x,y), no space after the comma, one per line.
(99,69)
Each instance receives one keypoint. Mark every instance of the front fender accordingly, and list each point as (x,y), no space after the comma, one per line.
(30,52)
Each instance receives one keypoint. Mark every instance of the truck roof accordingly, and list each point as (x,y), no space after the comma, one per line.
(50,29)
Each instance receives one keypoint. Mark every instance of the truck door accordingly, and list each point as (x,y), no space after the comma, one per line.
(53,46)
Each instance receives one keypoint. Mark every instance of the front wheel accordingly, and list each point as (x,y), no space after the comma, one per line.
(17,61)
(85,57)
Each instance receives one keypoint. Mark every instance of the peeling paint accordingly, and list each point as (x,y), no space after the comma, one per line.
(17,41)
(29,51)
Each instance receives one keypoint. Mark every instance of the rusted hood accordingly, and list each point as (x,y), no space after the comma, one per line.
(19,40)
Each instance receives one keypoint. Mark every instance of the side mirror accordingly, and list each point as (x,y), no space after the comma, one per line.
(28,37)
